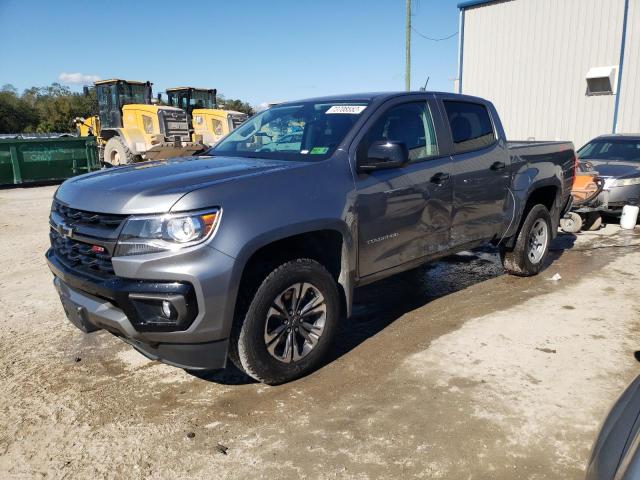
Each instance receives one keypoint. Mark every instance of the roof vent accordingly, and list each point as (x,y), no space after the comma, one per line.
(602,80)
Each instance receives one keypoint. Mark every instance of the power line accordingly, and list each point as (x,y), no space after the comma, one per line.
(434,39)
(408,28)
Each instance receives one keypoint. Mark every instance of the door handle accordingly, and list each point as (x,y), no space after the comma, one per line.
(440,177)
(498,166)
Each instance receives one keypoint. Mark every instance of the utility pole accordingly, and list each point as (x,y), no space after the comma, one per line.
(407,68)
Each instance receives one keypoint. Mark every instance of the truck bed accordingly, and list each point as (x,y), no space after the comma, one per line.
(547,155)
(550,144)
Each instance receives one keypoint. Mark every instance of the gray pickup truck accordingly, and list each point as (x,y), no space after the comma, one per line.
(252,251)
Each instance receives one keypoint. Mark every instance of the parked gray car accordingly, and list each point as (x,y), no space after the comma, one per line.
(252,253)
(617,159)
(616,452)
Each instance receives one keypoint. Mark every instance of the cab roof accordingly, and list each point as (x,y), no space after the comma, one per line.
(381,96)
(115,80)
(173,89)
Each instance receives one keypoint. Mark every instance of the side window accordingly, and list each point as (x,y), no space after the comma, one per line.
(471,126)
(147,124)
(217,126)
(410,123)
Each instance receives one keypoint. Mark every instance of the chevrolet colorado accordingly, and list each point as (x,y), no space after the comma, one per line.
(252,251)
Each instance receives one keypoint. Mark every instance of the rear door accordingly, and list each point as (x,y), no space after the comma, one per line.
(480,172)
(404,213)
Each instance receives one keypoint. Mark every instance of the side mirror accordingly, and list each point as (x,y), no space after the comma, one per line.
(384,154)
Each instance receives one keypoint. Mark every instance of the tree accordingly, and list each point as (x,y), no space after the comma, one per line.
(234,104)
(43,109)
(16,115)
(53,108)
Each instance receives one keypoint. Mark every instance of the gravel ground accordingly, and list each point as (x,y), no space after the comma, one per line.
(452,371)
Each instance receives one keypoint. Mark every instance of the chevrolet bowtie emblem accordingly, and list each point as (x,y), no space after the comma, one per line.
(65,230)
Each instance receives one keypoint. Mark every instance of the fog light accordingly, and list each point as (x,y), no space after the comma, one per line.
(166,309)
(161,312)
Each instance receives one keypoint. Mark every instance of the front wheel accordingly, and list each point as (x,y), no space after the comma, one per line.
(117,153)
(288,326)
(532,244)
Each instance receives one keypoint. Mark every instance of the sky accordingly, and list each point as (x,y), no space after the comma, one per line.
(258,51)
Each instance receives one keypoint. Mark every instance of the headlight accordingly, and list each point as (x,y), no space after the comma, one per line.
(625,182)
(158,233)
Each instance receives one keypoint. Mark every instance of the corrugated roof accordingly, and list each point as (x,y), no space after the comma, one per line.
(474,3)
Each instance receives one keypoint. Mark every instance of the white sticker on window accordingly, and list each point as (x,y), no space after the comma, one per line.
(351,109)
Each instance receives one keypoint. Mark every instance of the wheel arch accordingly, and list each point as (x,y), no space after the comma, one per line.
(329,245)
(547,193)
(108,133)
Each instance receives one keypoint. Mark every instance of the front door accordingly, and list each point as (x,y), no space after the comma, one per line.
(404,213)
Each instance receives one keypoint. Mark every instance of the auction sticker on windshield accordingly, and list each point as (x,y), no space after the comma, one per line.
(319,150)
(352,109)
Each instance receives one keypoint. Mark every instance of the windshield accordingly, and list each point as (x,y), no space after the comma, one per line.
(623,149)
(197,99)
(200,99)
(135,94)
(305,131)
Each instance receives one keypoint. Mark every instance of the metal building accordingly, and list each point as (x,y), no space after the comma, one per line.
(555,69)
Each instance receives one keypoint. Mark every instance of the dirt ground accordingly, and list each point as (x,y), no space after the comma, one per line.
(452,371)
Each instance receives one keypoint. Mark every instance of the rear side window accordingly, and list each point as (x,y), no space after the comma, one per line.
(471,126)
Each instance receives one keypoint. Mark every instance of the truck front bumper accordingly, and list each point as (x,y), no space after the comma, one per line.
(90,314)
(91,305)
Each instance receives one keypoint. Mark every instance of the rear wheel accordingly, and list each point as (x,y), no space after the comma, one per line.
(286,329)
(571,223)
(117,153)
(593,221)
(532,244)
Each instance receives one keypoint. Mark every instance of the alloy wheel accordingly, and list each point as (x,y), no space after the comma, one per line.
(295,322)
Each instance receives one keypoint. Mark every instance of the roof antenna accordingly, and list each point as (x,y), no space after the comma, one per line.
(424,89)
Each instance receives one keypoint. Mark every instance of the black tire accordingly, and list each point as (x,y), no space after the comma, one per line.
(518,261)
(248,348)
(117,153)
(593,222)
(571,223)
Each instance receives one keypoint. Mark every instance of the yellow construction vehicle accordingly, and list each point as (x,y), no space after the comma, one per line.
(208,123)
(129,128)
(87,127)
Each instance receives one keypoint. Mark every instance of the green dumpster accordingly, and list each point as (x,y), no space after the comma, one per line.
(46,160)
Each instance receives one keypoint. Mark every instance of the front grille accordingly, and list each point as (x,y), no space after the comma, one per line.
(174,124)
(72,216)
(84,241)
(82,257)
(237,121)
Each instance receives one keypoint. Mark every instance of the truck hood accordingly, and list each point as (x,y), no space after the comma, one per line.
(612,168)
(154,187)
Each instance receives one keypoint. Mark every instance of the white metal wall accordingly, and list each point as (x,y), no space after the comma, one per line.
(530,57)
(629,110)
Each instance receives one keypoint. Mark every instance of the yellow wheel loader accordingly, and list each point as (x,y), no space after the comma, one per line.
(208,123)
(130,128)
